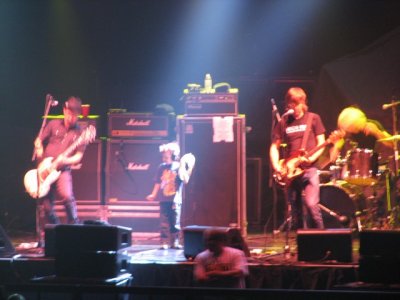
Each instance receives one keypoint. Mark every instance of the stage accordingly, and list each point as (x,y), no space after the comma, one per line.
(270,265)
(271,268)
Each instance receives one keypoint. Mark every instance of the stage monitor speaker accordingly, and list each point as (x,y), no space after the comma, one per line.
(384,243)
(380,256)
(216,192)
(6,247)
(323,245)
(130,169)
(92,251)
(87,175)
(193,239)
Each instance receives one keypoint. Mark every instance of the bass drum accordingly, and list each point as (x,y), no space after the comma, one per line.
(342,199)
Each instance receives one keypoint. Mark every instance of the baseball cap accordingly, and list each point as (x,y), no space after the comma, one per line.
(74,104)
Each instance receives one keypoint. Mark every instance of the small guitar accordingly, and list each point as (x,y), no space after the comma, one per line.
(38,181)
(292,167)
(187,163)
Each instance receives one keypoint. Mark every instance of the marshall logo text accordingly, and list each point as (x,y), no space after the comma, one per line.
(138,167)
(135,122)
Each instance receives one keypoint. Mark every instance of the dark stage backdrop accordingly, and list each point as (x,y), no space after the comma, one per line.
(367,78)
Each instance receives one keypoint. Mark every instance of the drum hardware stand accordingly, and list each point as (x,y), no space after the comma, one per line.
(342,219)
(396,157)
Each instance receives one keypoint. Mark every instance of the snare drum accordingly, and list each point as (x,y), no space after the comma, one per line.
(361,167)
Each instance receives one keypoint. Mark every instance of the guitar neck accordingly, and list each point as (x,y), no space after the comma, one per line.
(315,149)
(86,137)
(72,147)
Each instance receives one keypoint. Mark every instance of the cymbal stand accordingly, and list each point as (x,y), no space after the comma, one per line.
(395,148)
(396,156)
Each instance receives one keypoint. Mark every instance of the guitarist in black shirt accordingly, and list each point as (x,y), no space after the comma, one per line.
(303,132)
(50,149)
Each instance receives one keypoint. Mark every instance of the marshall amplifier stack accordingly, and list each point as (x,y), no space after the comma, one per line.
(132,159)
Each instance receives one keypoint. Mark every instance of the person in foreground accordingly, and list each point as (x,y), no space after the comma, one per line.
(170,177)
(304,134)
(220,265)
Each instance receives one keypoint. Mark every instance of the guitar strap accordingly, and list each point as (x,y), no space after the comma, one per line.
(306,133)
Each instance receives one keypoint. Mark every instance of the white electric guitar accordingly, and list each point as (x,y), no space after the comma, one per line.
(38,181)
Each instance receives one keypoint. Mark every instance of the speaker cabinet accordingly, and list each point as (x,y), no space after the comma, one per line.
(87,175)
(193,239)
(6,247)
(92,251)
(324,245)
(216,192)
(380,256)
(130,169)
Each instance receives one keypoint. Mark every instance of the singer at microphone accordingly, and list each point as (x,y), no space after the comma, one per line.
(61,145)
(304,134)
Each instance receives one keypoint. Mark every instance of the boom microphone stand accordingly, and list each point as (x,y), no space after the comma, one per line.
(50,101)
(276,118)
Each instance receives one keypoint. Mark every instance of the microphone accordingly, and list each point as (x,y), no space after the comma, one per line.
(389,105)
(275,110)
(288,112)
(51,100)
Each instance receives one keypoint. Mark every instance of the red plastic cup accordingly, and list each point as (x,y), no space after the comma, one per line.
(85,110)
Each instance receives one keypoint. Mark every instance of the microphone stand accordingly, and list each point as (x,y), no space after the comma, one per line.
(276,118)
(49,101)
(39,208)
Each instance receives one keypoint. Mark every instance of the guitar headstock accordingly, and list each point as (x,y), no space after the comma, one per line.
(88,135)
(336,135)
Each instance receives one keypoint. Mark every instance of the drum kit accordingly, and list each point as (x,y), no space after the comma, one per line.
(361,190)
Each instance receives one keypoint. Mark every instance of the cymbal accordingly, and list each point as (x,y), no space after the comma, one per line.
(392,138)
